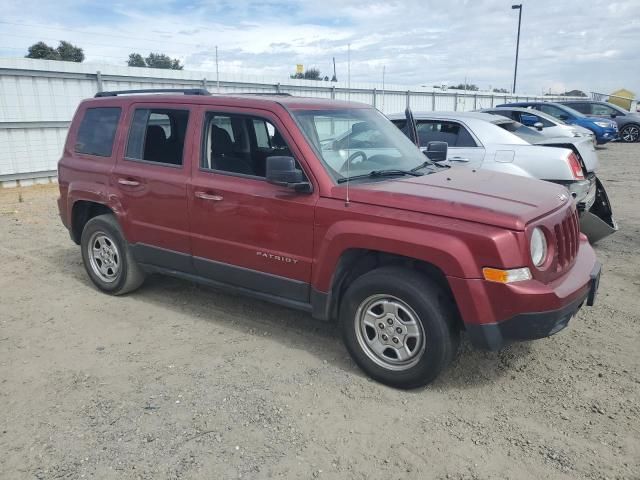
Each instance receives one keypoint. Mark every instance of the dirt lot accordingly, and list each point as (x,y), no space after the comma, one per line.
(180,381)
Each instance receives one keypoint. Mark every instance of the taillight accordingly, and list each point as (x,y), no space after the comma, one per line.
(575,166)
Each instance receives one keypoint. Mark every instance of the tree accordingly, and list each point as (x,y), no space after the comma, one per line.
(500,90)
(309,74)
(575,93)
(154,60)
(65,51)
(43,51)
(468,86)
(69,52)
(160,60)
(312,74)
(136,60)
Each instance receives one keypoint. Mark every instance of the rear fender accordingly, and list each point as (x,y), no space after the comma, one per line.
(101,194)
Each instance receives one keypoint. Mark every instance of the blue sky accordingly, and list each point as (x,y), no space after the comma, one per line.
(589,45)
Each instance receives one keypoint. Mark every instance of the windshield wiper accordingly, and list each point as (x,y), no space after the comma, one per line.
(429,163)
(391,172)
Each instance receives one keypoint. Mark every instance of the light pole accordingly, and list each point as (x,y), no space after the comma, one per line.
(515,70)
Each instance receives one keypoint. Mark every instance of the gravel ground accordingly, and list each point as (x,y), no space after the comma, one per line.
(181,381)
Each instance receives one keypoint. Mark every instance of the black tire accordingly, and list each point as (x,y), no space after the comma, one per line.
(128,276)
(435,312)
(631,132)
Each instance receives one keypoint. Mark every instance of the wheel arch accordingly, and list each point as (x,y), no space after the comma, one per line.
(81,212)
(355,262)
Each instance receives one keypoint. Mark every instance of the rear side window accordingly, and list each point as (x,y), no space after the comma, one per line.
(581,107)
(157,135)
(603,110)
(97,131)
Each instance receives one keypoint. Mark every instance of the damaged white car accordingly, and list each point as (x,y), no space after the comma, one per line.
(490,142)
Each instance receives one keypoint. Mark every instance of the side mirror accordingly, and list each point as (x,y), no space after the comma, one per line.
(437,151)
(614,115)
(563,117)
(360,127)
(282,171)
(538,126)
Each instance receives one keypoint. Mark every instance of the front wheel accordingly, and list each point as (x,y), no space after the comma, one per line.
(630,133)
(399,326)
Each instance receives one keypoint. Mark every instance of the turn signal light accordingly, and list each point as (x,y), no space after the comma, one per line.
(575,166)
(506,276)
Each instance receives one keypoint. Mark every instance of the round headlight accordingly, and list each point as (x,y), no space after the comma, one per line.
(538,247)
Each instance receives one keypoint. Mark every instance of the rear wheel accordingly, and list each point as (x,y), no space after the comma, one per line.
(630,133)
(107,258)
(398,326)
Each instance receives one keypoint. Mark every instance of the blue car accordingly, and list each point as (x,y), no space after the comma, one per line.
(604,129)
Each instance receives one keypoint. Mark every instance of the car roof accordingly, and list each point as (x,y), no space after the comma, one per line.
(524,110)
(235,99)
(487,117)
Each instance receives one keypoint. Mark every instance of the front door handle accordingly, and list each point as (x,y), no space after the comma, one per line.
(208,196)
(127,182)
(458,159)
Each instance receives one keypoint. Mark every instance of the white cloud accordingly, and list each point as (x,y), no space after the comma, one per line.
(571,44)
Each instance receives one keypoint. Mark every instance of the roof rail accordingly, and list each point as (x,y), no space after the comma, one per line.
(186,91)
(266,94)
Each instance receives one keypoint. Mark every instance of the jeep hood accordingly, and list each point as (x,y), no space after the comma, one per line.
(491,198)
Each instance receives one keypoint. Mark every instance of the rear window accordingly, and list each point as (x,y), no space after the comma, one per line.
(157,135)
(97,131)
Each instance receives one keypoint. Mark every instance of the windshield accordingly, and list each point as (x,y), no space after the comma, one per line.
(357,141)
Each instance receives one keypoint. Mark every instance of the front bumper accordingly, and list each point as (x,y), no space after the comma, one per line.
(534,325)
(495,314)
(583,192)
(607,135)
(596,216)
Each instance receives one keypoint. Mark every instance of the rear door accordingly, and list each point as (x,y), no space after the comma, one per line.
(464,149)
(246,231)
(151,175)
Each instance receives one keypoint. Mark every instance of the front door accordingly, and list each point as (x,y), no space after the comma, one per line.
(246,231)
(151,176)
(464,150)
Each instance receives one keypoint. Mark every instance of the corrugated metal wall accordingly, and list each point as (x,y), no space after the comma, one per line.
(38,99)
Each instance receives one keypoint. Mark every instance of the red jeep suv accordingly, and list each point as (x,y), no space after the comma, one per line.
(326,207)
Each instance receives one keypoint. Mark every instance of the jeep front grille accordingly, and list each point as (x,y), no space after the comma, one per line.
(567,235)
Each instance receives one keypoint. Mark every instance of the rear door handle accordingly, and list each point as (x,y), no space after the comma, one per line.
(208,196)
(127,182)
(458,159)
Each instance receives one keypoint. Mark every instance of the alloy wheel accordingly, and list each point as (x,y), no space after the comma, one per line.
(630,133)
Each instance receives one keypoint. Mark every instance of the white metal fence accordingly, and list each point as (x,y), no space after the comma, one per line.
(38,99)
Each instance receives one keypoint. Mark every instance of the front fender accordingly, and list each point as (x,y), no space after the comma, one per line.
(449,253)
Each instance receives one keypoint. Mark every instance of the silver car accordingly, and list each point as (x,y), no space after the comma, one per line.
(481,140)
(545,124)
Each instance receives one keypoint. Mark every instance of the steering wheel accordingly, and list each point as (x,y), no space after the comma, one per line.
(347,164)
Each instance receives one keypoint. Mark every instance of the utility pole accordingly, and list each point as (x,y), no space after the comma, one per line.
(384,68)
(217,72)
(515,70)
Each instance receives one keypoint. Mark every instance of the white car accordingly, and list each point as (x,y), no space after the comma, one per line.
(546,124)
(480,140)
